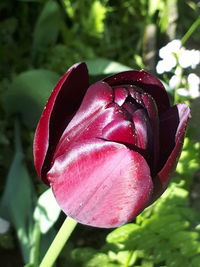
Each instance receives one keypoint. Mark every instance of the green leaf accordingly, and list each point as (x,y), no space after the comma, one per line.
(153,7)
(122,233)
(18,200)
(195,261)
(83,254)
(94,22)
(47,26)
(100,66)
(28,93)
(99,260)
(182,237)
(47,211)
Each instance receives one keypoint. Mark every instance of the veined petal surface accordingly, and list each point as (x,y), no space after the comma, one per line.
(101,183)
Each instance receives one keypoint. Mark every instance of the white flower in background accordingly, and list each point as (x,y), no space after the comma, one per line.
(173,81)
(166,64)
(170,48)
(173,54)
(183,92)
(193,85)
(193,82)
(189,58)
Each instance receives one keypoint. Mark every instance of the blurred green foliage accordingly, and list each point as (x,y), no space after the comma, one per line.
(39,40)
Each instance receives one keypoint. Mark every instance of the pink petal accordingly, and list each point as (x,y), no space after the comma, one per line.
(65,98)
(173,127)
(100,183)
(145,81)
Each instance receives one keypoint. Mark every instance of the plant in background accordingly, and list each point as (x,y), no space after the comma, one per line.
(175,58)
(103,33)
(109,161)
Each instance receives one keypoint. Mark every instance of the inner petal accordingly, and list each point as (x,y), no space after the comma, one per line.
(120,95)
(121,131)
(90,127)
(144,133)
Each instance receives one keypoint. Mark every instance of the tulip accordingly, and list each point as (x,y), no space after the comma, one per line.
(108,150)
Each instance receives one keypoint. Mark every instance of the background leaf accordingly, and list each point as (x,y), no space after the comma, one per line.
(18,199)
(100,66)
(28,93)
(47,26)
(47,211)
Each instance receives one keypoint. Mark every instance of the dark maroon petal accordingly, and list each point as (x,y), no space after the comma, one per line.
(120,95)
(93,114)
(146,81)
(130,109)
(121,131)
(97,97)
(173,127)
(87,129)
(142,128)
(152,112)
(64,100)
(101,183)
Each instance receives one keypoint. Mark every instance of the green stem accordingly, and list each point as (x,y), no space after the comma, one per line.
(192,28)
(179,70)
(58,242)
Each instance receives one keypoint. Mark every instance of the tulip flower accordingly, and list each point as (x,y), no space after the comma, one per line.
(108,150)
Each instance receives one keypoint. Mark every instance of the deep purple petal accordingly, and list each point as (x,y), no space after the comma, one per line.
(120,95)
(88,128)
(142,129)
(101,183)
(97,97)
(173,127)
(94,113)
(152,112)
(64,100)
(121,131)
(144,80)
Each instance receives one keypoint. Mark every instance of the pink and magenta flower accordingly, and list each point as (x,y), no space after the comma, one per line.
(108,150)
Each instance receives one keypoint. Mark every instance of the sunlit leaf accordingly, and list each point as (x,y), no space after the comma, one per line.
(99,66)
(47,211)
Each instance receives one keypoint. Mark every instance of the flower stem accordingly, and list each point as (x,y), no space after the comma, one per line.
(58,242)
(192,28)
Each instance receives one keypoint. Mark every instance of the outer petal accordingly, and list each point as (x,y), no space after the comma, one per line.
(64,100)
(144,80)
(173,126)
(101,183)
